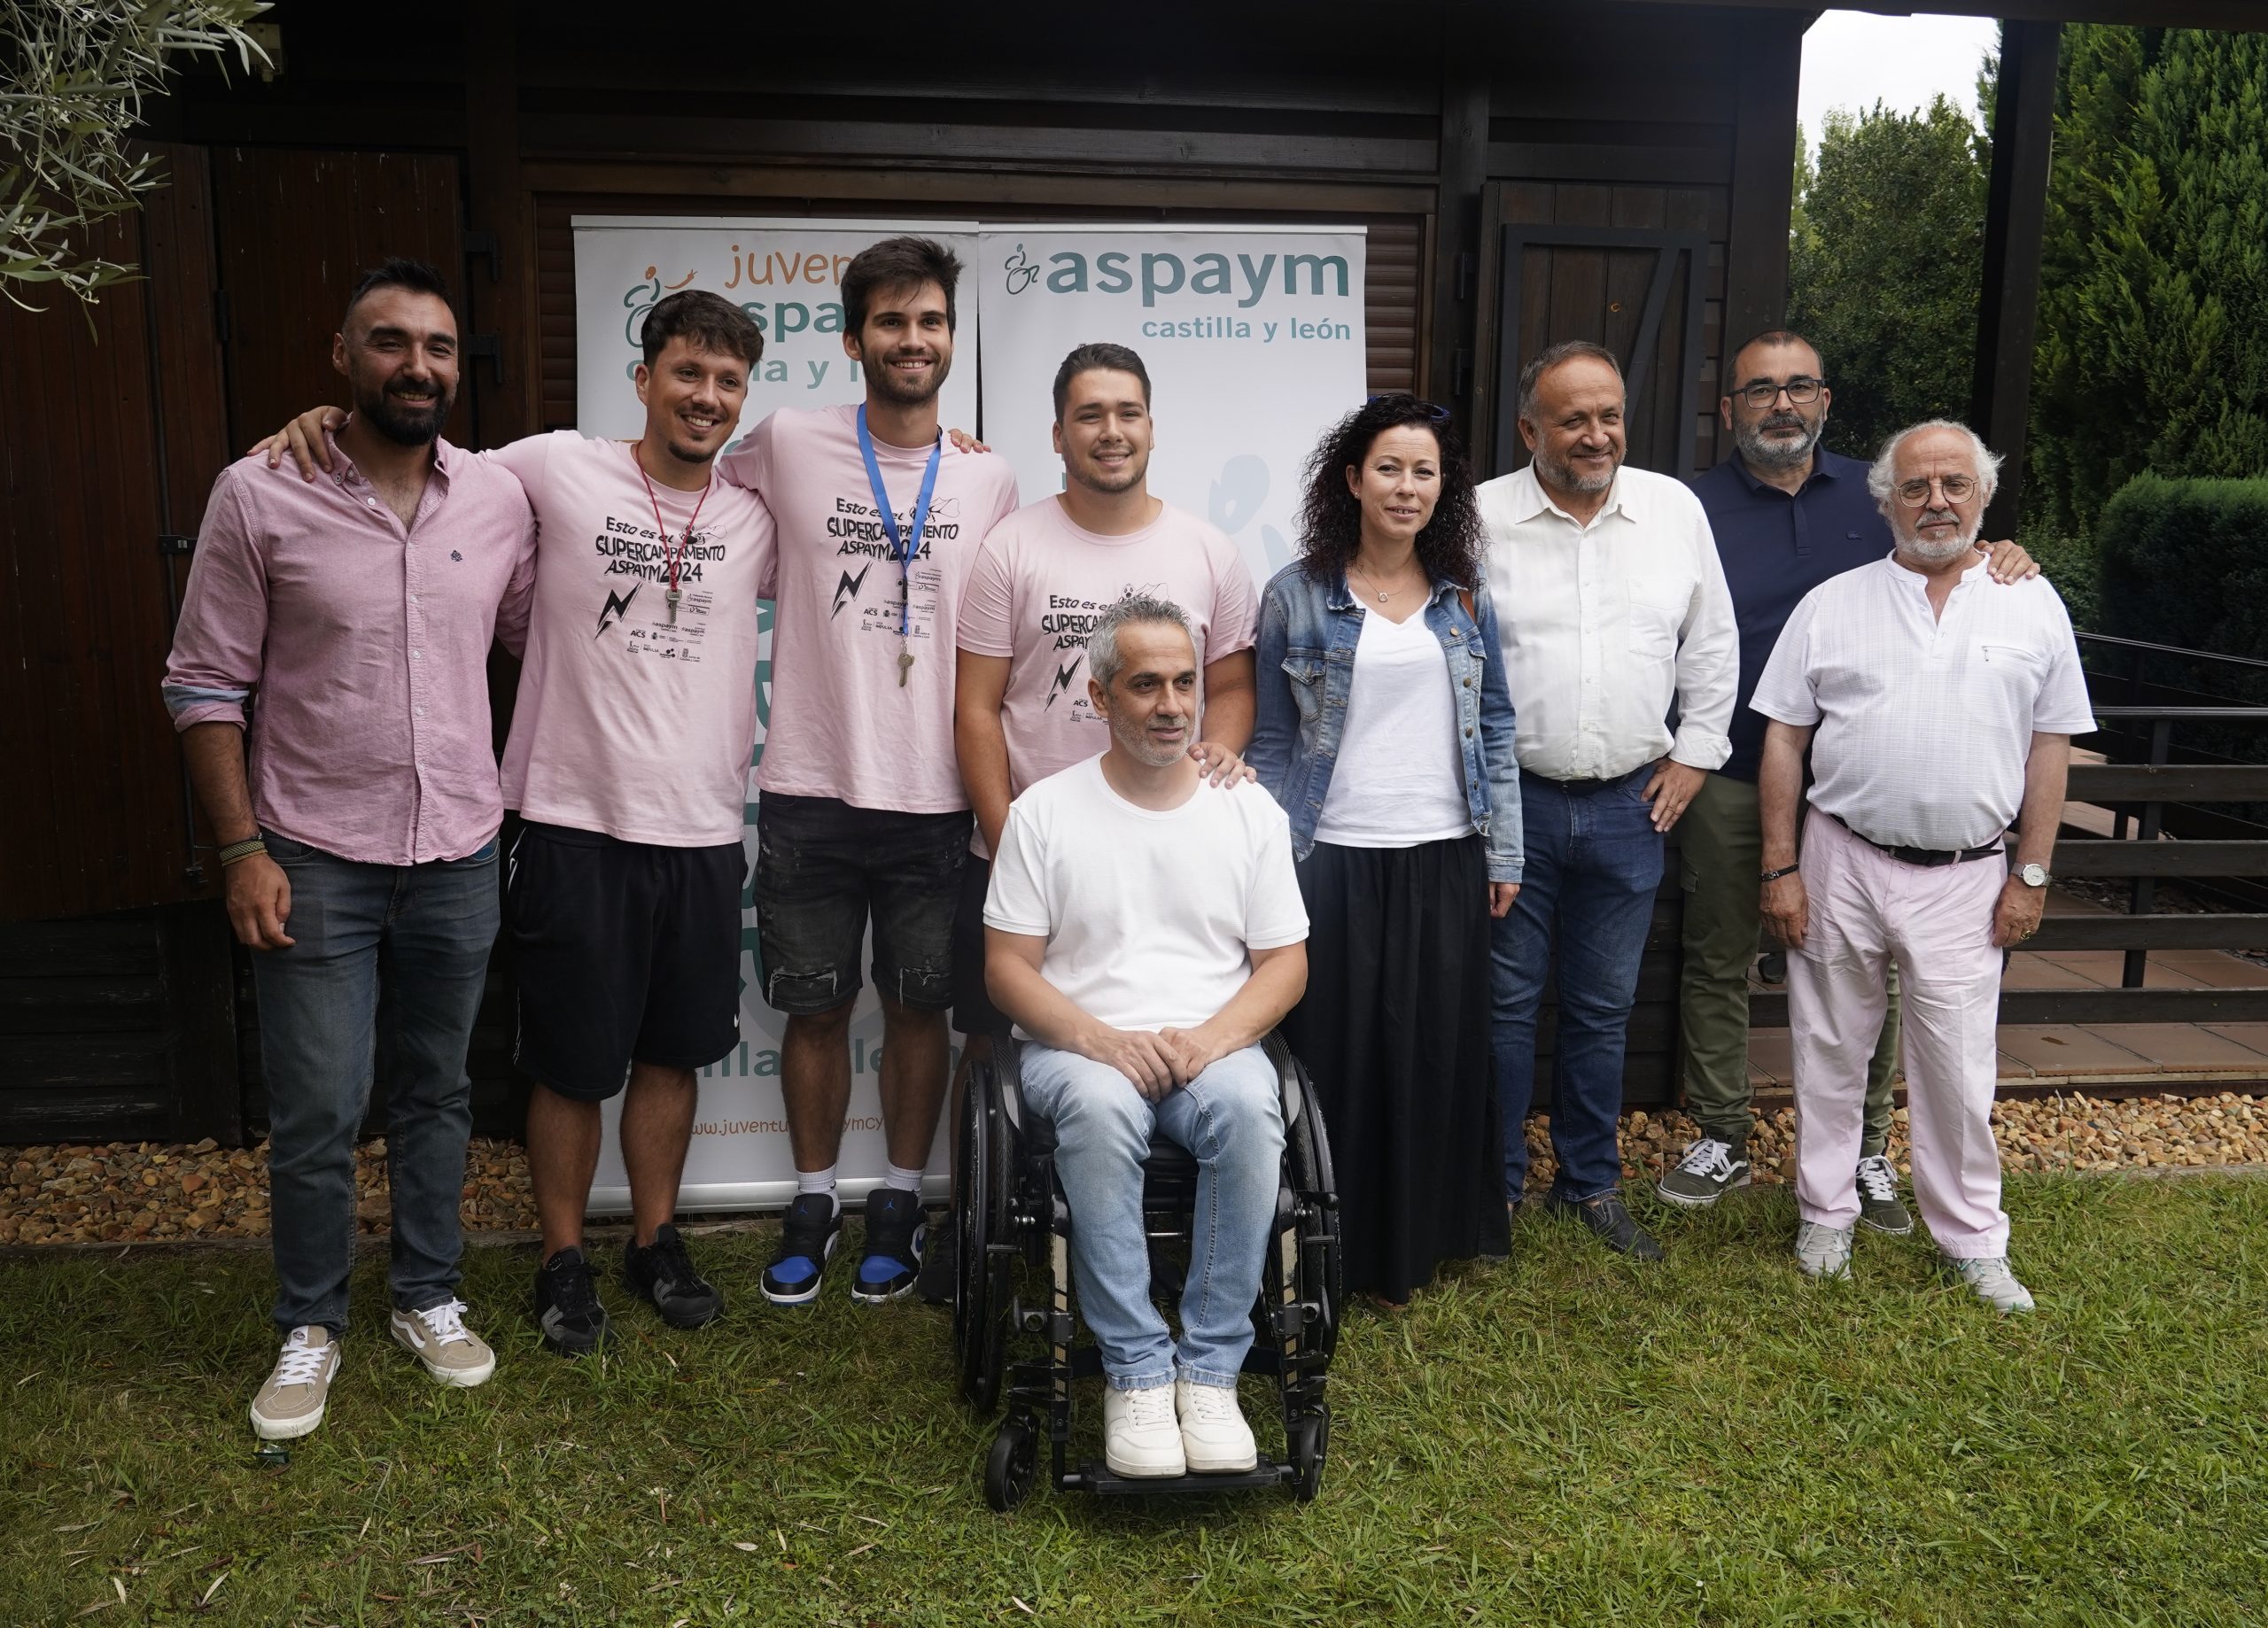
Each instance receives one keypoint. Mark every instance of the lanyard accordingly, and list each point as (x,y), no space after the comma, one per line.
(902,549)
(671,561)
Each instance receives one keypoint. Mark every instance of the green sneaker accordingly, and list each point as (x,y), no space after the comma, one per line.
(1878,1206)
(1708,1170)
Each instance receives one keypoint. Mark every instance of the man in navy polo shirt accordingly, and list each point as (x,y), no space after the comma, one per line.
(1787,514)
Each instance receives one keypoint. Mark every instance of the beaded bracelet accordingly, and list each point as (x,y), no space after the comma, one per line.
(244,849)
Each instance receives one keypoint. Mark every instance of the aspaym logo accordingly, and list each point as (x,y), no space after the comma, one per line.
(1021,273)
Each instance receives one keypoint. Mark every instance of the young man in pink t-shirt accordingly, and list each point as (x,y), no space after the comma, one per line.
(628,760)
(862,817)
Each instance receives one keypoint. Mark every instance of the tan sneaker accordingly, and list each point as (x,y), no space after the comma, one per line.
(1215,1438)
(437,1336)
(292,1402)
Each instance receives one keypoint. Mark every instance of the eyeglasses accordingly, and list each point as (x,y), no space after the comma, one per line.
(1957,489)
(1439,414)
(1763,392)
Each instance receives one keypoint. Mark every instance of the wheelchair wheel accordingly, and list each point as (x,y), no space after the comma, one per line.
(981,1200)
(1321,1267)
(1310,1445)
(1012,1465)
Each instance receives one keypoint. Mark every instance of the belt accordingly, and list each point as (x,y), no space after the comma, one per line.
(1931,857)
(1578,789)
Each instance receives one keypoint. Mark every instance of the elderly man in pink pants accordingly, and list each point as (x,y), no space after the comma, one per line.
(1943,709)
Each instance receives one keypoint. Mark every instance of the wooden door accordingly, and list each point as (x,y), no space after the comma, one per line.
(297,229)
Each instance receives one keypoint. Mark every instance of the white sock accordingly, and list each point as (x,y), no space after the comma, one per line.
(906,1180)
(819,1181)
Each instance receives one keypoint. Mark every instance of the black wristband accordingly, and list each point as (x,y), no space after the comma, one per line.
(1785,870)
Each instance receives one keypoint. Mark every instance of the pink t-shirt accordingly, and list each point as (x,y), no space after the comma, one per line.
(1040,583)
(840,724)
(628,723)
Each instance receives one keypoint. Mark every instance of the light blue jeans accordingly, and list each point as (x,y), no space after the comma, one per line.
(1231,1120)
(424,930)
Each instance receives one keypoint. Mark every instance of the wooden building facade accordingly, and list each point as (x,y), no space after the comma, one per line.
(1617,170)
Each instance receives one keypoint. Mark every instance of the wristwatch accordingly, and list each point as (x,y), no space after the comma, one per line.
(2033,876)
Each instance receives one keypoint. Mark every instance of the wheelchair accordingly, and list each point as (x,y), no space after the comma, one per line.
(1011,1301)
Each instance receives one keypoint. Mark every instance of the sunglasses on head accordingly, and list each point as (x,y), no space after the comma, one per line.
(1434,410)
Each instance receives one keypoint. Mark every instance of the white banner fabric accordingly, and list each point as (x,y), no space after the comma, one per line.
(1254,339)
(786,275)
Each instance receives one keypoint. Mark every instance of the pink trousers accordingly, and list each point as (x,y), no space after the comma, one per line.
(1868,910)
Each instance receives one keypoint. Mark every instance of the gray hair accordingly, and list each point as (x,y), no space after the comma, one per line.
(1136,608)
(1882,477)
(1550,356)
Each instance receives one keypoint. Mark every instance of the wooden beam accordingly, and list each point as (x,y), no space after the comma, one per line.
(2015,224)
(2096,1008)
(2186,932)
(2171,783)
(1764,162)
(2107,859)
(2233,16)
(1468,57)
(500,290)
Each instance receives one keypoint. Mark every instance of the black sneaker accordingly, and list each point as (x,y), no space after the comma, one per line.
(1611,1221)
(808,1234)
(940,1267)
(662,1274)
(567,1308)
(895,1230)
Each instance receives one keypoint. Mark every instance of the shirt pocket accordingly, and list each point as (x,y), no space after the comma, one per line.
(2006,674)
(1657,605)
(1305,670)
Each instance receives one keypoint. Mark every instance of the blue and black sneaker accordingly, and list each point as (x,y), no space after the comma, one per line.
(808,1235)
(895,1230)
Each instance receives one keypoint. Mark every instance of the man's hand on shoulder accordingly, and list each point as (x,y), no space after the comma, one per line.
(964,442)
(1143,1057)
(2006,562)
(303,438)
(1220,766)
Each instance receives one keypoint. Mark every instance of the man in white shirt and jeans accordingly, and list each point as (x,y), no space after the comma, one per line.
(1143,931)
(1938,709)
(1613,606)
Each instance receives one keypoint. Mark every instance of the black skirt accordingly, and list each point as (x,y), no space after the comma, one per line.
(1393,1030)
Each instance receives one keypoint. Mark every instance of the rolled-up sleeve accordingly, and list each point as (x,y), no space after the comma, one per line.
(215,664)
(1708,660)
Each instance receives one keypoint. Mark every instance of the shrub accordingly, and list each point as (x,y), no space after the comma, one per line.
(2186,562)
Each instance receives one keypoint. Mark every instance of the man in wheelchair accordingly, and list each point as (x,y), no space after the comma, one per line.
(1144,931)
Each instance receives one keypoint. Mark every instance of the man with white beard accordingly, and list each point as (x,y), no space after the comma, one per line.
(1786,514)
(1943,709)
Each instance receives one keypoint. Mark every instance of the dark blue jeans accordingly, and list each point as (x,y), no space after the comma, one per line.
(1594,862)
(425,930)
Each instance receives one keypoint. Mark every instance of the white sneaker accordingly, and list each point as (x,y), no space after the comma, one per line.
(1993,1282)
(292,1401)
(1215,1438)
(437,1336)
(1139,1434)
(1823,1252)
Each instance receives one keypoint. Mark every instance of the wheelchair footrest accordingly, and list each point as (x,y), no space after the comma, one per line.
(1099,1477)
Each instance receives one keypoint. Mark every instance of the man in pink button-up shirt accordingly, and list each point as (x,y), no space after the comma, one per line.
(340,630)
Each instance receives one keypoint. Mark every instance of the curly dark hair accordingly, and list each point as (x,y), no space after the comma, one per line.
(1330,518)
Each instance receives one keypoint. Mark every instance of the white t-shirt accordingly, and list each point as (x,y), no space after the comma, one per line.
(1397,781)
(628,722)
(1925,721)
(1150,916)
(1039,584)
(841,725)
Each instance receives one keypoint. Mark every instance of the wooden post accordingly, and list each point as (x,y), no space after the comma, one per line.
(1764,172)
(2015,221)
(1467,59)
(499,271)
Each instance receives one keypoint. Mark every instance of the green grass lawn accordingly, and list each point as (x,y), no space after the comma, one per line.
(1562,1439)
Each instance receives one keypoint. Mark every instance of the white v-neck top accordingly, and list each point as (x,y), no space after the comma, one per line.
(1396,782)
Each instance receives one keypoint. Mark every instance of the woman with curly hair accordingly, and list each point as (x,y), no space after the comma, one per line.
(1385,730)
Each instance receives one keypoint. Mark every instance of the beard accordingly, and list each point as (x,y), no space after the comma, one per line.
(1938,552)
(1563,476)
(405,423)
(1136,740)
(1766,452)
(1137,466)
(886,384)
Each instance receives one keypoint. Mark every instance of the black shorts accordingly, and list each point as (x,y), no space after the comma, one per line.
(823,868)
(624,951)
(973,1012)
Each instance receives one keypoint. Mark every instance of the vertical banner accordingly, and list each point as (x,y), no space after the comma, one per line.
(786,275)
(1252,336)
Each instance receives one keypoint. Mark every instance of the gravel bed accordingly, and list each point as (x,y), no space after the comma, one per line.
(132,1192)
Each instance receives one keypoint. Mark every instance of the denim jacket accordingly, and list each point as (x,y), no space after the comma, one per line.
(1305,665)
